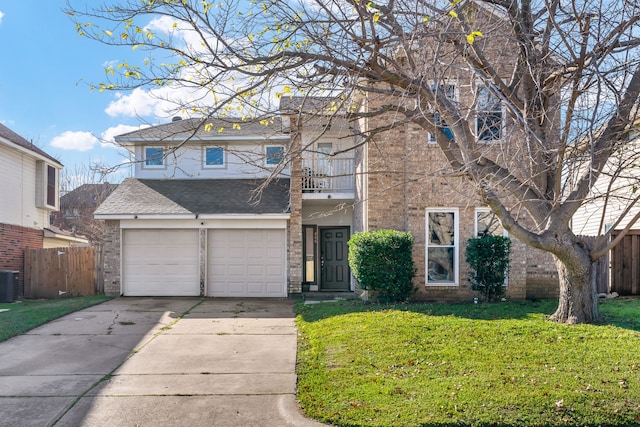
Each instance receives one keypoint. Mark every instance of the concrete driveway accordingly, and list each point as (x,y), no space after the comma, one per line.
(156,362)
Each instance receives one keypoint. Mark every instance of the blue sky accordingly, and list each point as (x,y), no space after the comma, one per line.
(44,86)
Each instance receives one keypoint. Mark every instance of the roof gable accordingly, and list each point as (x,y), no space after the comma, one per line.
(13,137)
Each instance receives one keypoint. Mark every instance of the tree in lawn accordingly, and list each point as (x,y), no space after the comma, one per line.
(551,93)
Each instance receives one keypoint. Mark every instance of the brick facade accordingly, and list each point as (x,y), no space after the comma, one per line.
(406,174)
(111,256)
(13,241)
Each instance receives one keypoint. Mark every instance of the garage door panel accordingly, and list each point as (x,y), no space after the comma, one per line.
(160,262)
(246,263)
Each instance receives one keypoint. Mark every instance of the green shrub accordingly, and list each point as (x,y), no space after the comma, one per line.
(381,261)
(488,257)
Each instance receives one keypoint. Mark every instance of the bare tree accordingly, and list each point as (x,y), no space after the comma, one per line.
(82,191)
(547,90)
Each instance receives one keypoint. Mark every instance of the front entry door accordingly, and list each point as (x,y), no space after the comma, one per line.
(334,265)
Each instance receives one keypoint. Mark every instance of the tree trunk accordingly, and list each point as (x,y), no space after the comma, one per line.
(578,301)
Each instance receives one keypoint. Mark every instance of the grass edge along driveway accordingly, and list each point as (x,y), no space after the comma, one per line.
(440,365)
(28,314)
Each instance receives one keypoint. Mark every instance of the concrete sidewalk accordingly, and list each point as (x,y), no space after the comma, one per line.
(156,361)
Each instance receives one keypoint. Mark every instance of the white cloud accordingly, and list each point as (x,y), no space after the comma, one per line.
(186,96)
(78,141)
(1,16)
(180,31)
(138,103)
(157,103)
(107,138)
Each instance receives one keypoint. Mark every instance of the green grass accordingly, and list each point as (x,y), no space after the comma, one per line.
(26,315)
(468,365)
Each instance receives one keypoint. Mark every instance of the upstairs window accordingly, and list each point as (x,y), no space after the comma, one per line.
(448,90)
(153,157)
(488,116)
(274,154)
(52,185)
(46,186)
(213,157)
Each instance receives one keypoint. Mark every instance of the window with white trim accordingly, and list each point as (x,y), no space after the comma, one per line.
(274,154)
(487,223)
(449,90)
(442,247)
(213,157)
(489,117)
(153,157)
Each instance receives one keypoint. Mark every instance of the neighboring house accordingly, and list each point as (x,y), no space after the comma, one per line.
(615,195)
(77,208)
(55,237)
(220,208)
(28,194)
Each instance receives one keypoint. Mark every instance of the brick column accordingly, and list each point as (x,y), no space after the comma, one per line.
(111,256)
(295,205)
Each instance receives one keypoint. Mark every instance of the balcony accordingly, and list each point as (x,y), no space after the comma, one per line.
(328,175)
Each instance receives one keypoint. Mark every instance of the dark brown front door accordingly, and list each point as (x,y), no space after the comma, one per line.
(334,264)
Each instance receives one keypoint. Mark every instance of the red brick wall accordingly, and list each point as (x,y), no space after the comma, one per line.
(13,241)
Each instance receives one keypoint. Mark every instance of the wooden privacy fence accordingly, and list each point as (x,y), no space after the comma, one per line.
(625,264)
(58,272)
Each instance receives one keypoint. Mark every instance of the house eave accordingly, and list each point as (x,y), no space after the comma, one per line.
(199,140)
(31,153)
(50,234)
(191,216)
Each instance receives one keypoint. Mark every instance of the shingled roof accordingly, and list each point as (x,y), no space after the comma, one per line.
(196,196)
(10,135)
(207,129)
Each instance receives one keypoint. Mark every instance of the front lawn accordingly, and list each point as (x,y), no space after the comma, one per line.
(468,365)
(26,315)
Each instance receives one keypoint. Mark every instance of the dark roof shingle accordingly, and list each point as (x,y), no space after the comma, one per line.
(206,129)
(196,196)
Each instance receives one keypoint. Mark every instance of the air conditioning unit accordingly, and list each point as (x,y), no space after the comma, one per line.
(9,286)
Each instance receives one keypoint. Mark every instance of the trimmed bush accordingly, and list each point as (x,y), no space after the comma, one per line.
(488,257)
(382,262)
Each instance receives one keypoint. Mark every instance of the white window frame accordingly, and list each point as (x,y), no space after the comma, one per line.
(477,211)
(266,157)
(505,233)
(480,87)
(431,139)
(145,165)
(455,246)
(204,157)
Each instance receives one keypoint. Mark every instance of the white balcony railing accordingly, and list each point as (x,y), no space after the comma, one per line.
(328,175)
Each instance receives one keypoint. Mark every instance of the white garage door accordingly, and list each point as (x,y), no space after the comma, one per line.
(160,263)
(246,263)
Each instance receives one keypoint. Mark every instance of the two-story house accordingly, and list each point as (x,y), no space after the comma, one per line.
(28,194)
(222,208)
